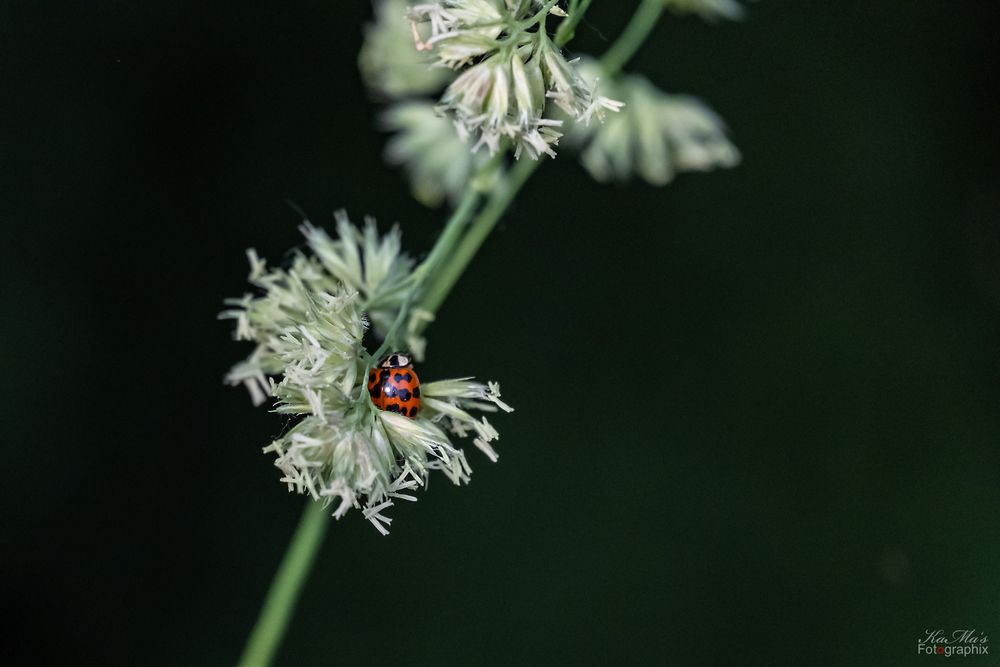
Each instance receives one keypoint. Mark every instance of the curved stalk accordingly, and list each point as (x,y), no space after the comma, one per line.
(567,29)
(635,33)
(452,232)
(266,636)
(438,274)
(440,286)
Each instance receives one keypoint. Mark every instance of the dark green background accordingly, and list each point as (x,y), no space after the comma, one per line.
(757,411)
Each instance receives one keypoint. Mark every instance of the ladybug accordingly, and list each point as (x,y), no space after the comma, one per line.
(394,386)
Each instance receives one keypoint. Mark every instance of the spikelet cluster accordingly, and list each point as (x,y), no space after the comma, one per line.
(307,322)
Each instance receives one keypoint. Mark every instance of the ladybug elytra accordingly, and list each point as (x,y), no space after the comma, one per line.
(394,386)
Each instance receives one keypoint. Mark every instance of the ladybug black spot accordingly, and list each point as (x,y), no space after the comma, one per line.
(416,392)
(403,393)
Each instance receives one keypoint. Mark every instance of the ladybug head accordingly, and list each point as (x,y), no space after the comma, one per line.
(396,360)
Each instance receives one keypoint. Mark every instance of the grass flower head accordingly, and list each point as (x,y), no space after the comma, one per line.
(509,69)
(656,136)
(308,323)
(390,64)
(710,10)
(437,160)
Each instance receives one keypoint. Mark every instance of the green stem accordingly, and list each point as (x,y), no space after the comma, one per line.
(452,269)
(438,274)
(635,33)
(452,231)
(540,14)
(280,602)
(567,29)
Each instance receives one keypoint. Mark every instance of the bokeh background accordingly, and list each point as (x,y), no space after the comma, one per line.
(757,411)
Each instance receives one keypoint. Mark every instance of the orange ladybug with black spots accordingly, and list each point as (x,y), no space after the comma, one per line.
(394,385)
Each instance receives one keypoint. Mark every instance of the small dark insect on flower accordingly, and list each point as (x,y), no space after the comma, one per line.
(394,385)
